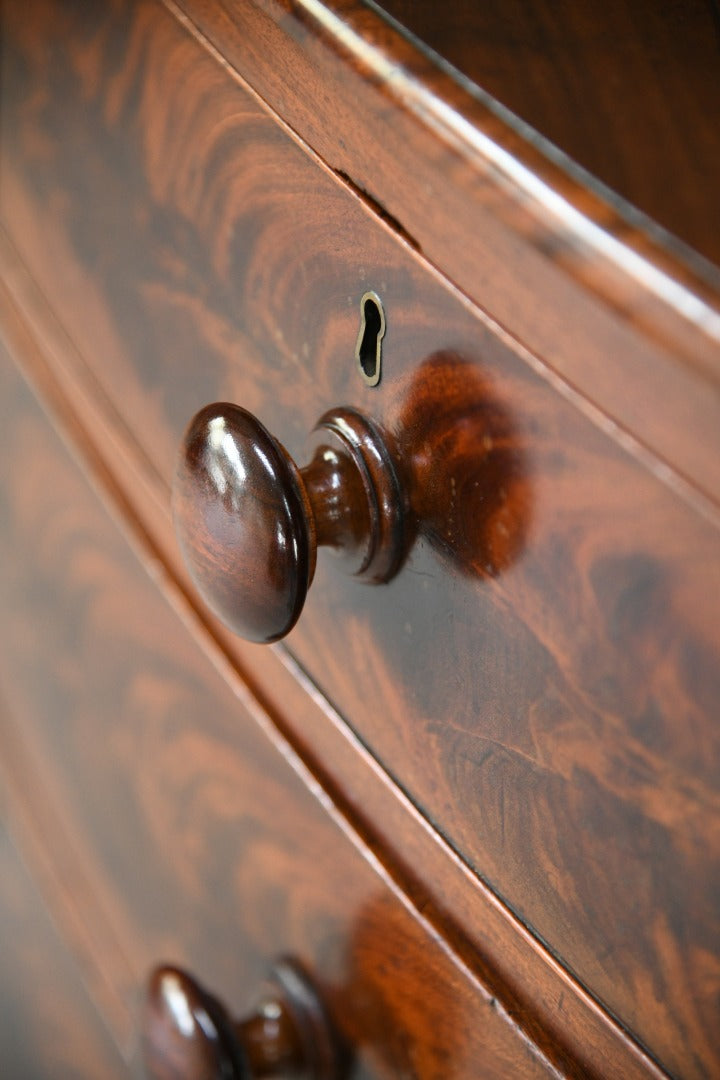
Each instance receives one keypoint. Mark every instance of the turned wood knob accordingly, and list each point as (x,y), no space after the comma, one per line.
(249,522)
(188,1035)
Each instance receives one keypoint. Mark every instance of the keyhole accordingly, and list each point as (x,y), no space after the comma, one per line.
(368,351)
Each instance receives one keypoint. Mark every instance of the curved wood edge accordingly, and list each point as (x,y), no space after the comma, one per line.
(489,943)
(50,1024)
(603,301)
(30,794)
(580,81)
(455,113)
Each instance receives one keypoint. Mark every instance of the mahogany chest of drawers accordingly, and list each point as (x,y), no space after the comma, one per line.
(472,793)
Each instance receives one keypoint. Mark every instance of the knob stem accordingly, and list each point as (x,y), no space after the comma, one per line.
(337,495)
(271,1041)
(357,495)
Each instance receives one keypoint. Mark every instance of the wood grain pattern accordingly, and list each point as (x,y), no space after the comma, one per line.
(661,387)
(48,1024)
(602,618)
(630,93)
(541,994)
(206,838)
(592,294)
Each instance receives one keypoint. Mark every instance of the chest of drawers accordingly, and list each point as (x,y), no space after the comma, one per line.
(477,802)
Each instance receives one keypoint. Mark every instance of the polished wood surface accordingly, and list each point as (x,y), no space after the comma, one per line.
(555,629)
(49,1026)
(249,522)
(456,904)
(203,838)
(189,1035)
(652,369)
(598,298)
(629,92)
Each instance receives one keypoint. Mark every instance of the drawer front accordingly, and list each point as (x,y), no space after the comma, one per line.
(196,839)
(541,677)
(48,1025)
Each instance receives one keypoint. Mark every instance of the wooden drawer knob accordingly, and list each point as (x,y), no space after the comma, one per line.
(188,1035)
(249,521)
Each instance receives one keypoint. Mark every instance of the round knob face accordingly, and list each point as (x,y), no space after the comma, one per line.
(186,1032)
(244,523)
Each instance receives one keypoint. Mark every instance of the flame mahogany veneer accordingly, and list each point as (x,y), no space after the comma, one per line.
(479,803)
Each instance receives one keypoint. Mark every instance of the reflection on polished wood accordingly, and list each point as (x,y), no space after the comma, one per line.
(158,763)
(249,521)
(465,464)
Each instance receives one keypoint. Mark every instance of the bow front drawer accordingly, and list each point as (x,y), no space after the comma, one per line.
(535,667)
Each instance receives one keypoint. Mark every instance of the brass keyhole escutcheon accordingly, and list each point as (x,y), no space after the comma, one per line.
(368,350)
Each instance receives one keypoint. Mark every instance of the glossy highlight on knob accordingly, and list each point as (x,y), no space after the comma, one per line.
(249,521)
(244,524)
(187,1034)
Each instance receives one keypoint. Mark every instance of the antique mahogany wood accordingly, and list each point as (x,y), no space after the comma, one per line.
(212,842)
(91,925)
(550,260)
(671,792)
(618,330)
(48,1024)
(628,91)
(545,999)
